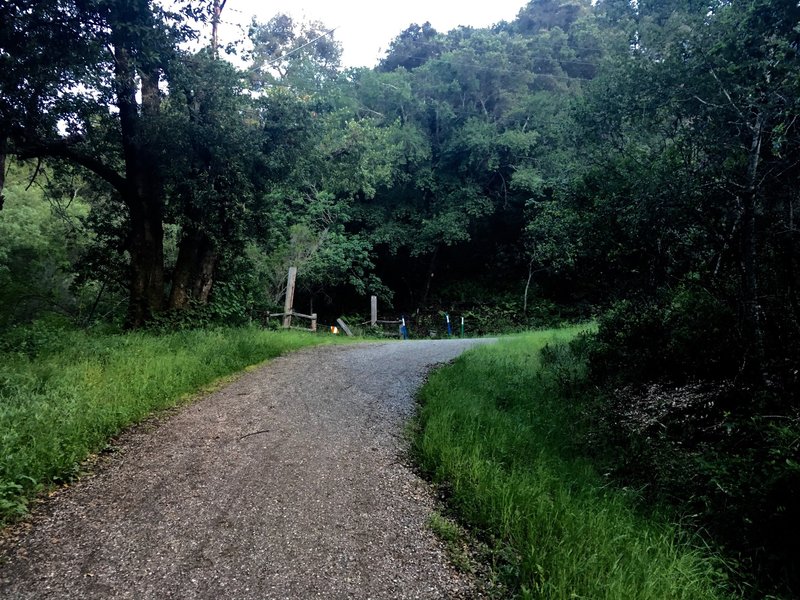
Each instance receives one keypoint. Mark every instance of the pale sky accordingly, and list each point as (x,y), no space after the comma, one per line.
(365,29)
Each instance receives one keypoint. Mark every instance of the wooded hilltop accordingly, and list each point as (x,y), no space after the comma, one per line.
(633,162)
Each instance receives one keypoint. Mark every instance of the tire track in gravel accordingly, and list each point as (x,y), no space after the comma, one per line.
(287,484)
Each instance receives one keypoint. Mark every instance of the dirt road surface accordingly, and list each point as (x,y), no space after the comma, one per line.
(287,484)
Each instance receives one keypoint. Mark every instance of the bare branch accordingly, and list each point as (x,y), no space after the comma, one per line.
(728,96)
(35,173)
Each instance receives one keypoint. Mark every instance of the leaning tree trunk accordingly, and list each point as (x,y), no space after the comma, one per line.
(429,277)
(2,169)
(2,178)
(789,262)
(752,317)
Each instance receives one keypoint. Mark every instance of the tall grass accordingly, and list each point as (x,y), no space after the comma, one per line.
(495,433)
(65,400)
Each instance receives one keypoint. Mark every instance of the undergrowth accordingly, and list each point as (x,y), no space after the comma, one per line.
(497,436)
(63,394)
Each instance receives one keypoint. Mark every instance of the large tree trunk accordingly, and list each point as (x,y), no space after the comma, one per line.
(204,278)
(146,247)
(193,276)
(181,292)
(145,196)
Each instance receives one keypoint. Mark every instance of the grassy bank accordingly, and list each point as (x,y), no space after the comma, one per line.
(64,394)
(495,434)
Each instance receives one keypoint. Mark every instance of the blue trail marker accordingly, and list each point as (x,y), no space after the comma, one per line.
(449,328)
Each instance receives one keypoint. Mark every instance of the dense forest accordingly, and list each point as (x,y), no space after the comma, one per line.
(634,162)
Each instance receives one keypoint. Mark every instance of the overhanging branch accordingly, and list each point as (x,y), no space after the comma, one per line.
(66,150)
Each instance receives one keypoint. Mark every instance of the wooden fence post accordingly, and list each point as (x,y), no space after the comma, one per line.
(314,322)
(373,313)
(344,327)
(289,304)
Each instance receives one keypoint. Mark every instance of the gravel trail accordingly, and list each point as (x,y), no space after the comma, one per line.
(287,484)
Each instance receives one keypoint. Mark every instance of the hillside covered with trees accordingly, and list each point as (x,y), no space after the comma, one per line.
(634,162)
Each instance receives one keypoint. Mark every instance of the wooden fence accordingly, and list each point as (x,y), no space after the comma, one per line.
(287,320)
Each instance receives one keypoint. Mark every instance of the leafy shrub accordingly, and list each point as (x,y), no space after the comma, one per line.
(46,334)
(627,343)
(702,336)
(705,452)
(566,365)
(227,307)
(681,336)
(673,415)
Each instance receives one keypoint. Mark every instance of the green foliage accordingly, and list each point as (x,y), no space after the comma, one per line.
(39,241)
(483,118)
(684,219)
(64,393)
(552,234)
(495,432)
(504,314)
(395,164)
(230,305)
(39,337)
(668,417)
(412,48)
(681,336)
(725,470)
(280,37)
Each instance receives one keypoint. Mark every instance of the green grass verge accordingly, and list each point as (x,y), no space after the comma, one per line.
(494,433)
(78,390)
